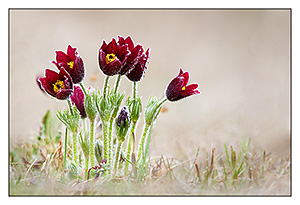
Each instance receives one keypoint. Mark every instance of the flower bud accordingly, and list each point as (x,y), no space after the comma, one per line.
(78,99)
(152,108)
(122,123)
(135,108)
(90,106)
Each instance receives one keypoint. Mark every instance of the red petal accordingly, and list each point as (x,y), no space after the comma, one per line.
(71,52)
(129,42)
(101,58)
(64,94)
(62,57)
(47,86)
(191,87)
(51,76)
(185,77)
(112,47)
(104,45)
(123,53)
(121,41)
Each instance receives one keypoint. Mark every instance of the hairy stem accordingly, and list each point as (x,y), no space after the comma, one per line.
(117,84)
(92,150)
(66,143)
(70,106)
(117,157)
(142,143)
(109,137)
(83,88)
(105,86)
(75,147)
(86,163)
(129,145)
(105,141)
(134,90)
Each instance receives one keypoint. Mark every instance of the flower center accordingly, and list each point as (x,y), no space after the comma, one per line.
(183,88)
(58,85)
(110,58)
(71,64)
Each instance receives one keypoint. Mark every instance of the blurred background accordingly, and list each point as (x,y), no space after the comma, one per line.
(239,58)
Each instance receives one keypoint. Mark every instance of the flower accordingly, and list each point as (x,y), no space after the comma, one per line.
(177,88)
(78,99)
(138,71)
(133,57)
(58,85)
(112,57)
(71,62)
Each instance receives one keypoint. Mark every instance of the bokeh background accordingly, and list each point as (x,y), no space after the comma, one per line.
(239,58)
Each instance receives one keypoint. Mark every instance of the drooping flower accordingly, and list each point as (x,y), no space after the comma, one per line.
(178,89)
(138,71)
(112,57)
(58,85)
(71,62)
(134,56)
(78,99)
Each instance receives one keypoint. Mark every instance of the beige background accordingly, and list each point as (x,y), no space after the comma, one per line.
(240,59)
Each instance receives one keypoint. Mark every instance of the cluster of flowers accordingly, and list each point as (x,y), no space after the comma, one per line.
(121,58)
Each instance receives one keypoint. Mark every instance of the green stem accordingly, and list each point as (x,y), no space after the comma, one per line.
(65,153)
(142,143)
(162,101)
(83,88)
(92,150)
(70,106)
(134,90)
(130,141)
(143,160)
(117,156)
(105,86)
(84,125)
(75,147)
(109,137)
(105,141)
(117,84)
(86,163)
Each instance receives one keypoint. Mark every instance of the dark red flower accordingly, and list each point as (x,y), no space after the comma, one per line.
(78,99)
(177,88)
(58,85)
(72,63)
(112,57)
(138,71)
(134,56)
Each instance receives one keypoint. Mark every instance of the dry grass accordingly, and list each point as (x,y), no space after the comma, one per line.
(37,168)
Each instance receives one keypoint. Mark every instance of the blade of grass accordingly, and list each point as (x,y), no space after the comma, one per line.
(227,156)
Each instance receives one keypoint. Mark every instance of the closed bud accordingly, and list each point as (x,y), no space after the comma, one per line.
(122,123)
(135,108)
(152,109)
(90,106)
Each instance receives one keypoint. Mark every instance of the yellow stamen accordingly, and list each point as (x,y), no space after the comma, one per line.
(183,88)
(58,85)
(110,58)
(71,64)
